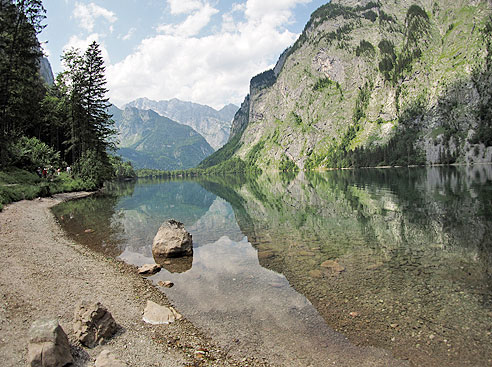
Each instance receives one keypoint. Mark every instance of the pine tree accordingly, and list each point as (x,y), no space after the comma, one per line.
(99,128)
(20,87)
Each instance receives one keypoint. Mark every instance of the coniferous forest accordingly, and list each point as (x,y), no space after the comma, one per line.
(52,127)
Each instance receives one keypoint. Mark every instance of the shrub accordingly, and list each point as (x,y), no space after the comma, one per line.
(30,153)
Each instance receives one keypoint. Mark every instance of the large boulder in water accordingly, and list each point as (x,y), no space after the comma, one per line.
(172,240)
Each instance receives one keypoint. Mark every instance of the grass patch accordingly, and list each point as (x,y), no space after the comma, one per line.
(17,184)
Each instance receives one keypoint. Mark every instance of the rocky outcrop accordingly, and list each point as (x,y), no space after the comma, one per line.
(48,345)
(373,83)
(172,240)
(93,324)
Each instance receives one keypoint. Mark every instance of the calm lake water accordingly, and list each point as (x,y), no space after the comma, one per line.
(356,267)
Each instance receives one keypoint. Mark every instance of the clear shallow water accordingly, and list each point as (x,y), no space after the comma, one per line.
(286,267)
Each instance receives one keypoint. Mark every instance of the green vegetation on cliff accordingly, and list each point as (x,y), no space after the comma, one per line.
(374,84)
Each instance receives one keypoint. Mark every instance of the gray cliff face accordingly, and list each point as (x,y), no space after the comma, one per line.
(367,78)
(45,71)
(213,125)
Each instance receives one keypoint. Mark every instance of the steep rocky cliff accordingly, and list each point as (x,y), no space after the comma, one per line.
(374,83)
(213,125)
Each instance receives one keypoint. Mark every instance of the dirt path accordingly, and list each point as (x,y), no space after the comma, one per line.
(44,274)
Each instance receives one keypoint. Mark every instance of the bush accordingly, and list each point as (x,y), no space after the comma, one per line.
(93,168)
(30,153)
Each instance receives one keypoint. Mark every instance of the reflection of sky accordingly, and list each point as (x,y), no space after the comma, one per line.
(243,305)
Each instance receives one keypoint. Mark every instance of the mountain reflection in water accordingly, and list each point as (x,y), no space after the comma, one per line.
(398,259)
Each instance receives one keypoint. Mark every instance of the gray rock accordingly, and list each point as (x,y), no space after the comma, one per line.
(93,324)
(149,269)
(107,359)
(48,345)
(172,240)
(156,314)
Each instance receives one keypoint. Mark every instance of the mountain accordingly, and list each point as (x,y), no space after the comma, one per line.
(213,125)
(45,71)
(373,83)
(149,140)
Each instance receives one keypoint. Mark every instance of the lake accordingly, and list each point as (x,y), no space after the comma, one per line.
(368,267)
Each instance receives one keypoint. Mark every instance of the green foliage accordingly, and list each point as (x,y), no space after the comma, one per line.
(370,15)
(295,118)
(18,184)
(223,154)
(31,153)
(121,170)
(385,17)
(287,165)
(365,48)
(362,102)
(93,168)
(21,88)
(388,58)
(482,79)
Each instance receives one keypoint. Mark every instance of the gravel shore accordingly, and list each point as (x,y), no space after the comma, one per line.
(45,274)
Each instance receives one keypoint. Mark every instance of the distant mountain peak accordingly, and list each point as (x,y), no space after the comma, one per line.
(213,125)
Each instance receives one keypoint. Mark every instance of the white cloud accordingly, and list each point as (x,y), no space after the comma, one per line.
(129,35)
(184,6)
(83,43)
(87,14)
(193,24)
(212,69)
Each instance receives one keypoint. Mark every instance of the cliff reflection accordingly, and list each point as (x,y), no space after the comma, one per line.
(399,258)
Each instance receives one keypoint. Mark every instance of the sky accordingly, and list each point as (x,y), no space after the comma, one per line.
(203,51)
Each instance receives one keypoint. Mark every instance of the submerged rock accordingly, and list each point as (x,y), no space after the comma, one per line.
(165,284)
(156,314)
(333,266)
(48,345)
(172,240)
(93,324)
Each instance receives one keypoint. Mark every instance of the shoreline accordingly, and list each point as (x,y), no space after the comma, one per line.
(45,274)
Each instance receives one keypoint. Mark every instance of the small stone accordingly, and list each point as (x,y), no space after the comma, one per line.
(89,230)
(48,345)
(317,274)
(394,326)
(107,359)
(157,315)
(354,314)
(149,269)
(165,284)
(265,255)
(333,265)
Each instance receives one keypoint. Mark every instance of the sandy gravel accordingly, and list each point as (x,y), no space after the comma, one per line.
(44,274)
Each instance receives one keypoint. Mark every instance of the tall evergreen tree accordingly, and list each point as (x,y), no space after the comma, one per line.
(20,87)
(99,129)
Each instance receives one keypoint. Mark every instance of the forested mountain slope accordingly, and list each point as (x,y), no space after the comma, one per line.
(149,140)
(373,83)
(214,125)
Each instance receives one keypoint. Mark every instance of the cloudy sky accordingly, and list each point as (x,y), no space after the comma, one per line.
(204,51)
